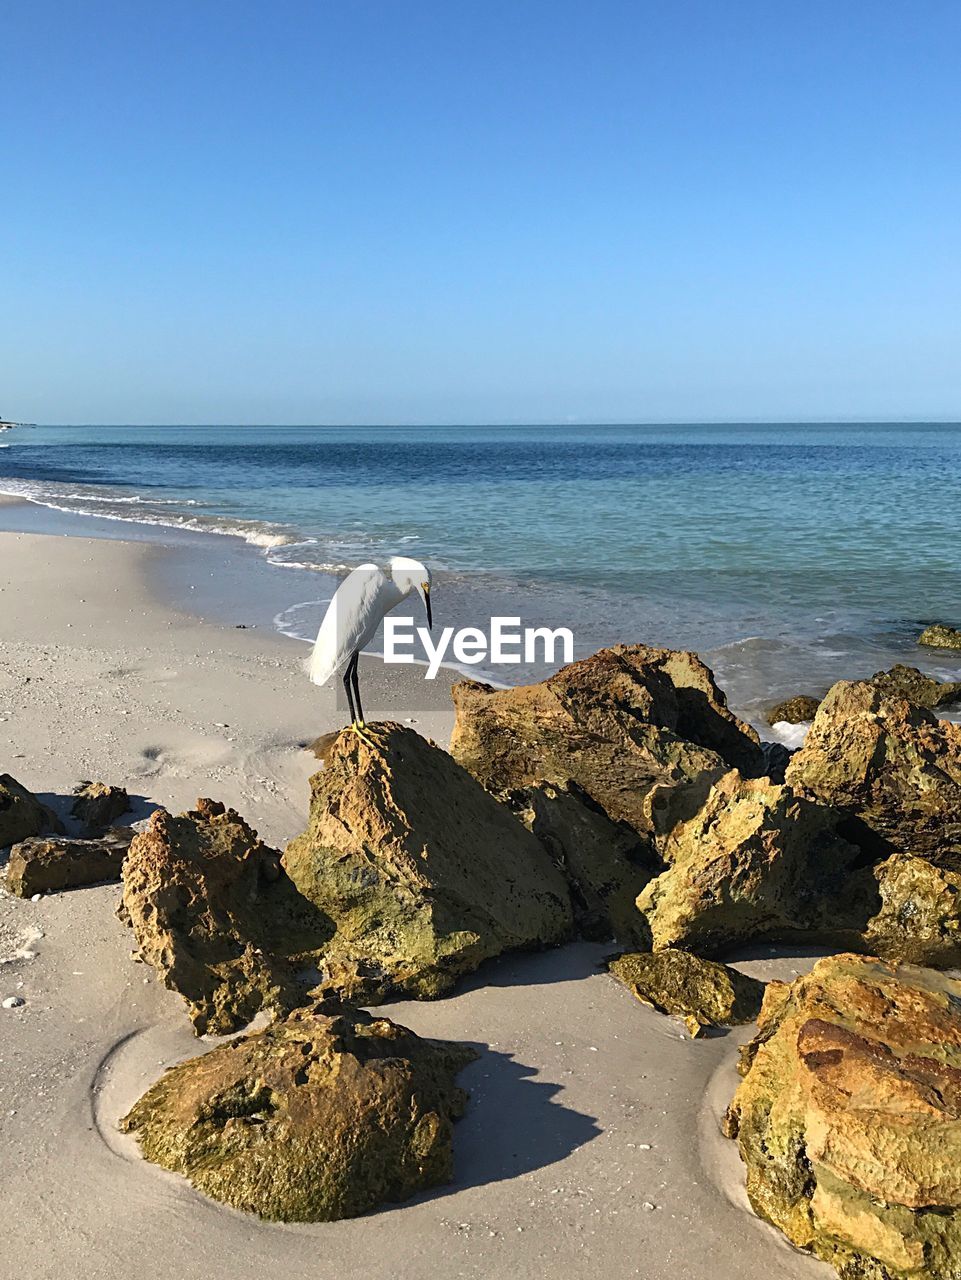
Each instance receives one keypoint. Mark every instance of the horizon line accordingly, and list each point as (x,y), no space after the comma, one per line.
(847,420)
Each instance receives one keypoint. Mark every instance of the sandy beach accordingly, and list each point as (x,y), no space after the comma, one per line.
(591,1140)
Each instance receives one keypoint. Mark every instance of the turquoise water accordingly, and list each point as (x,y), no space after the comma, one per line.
(786,552)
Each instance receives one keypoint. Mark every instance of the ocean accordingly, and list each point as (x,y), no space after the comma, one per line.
(788,555)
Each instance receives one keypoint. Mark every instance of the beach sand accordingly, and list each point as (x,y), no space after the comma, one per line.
(591,1143)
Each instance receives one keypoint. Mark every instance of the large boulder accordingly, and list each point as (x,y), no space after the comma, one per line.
(43,864)
(22,814)
(939,636)
(910,683)
(891,765)
(756,861)
(606,864)
(616,724)
(97,804)
(424,874)
(325,1115)
(702,993)
(848,1118)
(216,917)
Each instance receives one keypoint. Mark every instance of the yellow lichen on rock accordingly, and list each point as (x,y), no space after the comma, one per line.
(849,1117)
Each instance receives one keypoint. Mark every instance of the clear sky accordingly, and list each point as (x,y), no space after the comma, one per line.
(479,210)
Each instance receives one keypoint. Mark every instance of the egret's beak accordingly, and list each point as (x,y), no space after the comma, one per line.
(425,592)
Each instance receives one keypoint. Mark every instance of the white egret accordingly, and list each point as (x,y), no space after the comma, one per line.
(353,616)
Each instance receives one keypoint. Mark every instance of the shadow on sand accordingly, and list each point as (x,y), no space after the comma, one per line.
(569,963)
(513,1124)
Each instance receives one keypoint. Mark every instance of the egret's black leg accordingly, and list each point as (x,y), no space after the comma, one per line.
(350,696)
(355,663)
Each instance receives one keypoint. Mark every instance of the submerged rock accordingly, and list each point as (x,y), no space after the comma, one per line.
(325,1115)
(891,765)
(606,864)
(910,683)
(42,864)
(848,1118)
(422,872)
(796,710)
(22,814)
(702,993)
(940,637)
(756,861)
(214,914)
(616,724)
(97,805)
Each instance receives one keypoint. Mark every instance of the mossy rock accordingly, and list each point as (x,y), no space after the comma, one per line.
(940,637)
(893,766)
(422,873)
(910,683)
(757,861)
(797,710)
(702,993)
(325,1115)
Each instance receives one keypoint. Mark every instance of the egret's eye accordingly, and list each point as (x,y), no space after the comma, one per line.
(425,586)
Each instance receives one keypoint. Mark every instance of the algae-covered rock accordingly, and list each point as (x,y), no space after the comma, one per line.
(43,864)
(97,805)
(940,637)
(616,724)
(214,914)
(797,710)
(703,993)
(322,1116)
(422,872)
(756,861)
(890,764)
(910,683)
(22,814)
(605,863)
(919,919)
(849,1118)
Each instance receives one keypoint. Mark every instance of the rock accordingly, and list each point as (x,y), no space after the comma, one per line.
(702,993)
(320,747)
(892,765)
(920,915)
(940,637)
(217,919)
(910,683)
(42,864)
(848,1118)
(796,710)
(777,757)
(616,724)
(22,814)
(14,1002)
(756,861)
(606,864)
(325,1115)
(423,873)
(97,805)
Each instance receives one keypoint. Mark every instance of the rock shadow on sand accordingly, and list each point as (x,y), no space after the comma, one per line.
(513,1125)
(570,963)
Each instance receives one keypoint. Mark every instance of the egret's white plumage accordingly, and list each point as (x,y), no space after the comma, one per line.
(359,605)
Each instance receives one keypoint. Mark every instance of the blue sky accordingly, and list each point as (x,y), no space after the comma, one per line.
(460,211)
